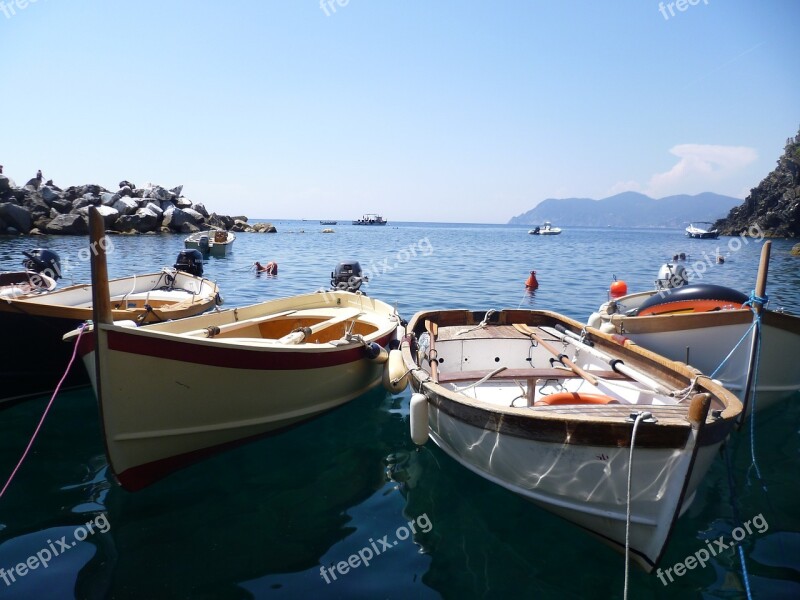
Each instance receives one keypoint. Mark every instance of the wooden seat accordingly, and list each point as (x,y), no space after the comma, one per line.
(507,374)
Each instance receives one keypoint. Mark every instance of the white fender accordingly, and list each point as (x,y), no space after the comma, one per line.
(395,378)
(418,413)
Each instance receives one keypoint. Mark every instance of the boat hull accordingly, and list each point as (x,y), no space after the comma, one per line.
(705,340)
(488,406)
(196,396)
(35,325)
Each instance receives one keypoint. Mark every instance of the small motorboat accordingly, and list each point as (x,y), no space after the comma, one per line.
(41,274)
(215,242)
(328,222)
(208,382)
(546,229)
(714,328)
(530,401)
(33,325)
(702,233)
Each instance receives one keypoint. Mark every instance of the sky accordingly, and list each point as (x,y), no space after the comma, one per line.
(418,110)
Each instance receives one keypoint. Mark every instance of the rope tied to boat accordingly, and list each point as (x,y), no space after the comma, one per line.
(46,410)
(637,418)
(735,510)
(483,323)
(762,301)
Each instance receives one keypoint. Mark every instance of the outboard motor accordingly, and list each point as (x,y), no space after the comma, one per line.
(46,262)
(204,245)
(347,277)
(190,261)
(671,276)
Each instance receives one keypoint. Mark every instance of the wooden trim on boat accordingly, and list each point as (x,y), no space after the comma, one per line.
(677,322)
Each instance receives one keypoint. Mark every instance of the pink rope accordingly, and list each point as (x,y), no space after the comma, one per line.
(46,410)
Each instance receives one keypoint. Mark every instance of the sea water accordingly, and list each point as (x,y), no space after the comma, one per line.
(274,518)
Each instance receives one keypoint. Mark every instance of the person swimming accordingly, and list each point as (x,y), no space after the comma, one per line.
(271,268)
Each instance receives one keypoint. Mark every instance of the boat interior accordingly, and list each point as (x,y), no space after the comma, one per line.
(535,366)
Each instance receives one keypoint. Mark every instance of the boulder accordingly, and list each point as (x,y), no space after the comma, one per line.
(5,184)
(142,221)
(241,226)
(189,228)
(177,191)
(126,206)
(198,217)
(109,214)
(79,204)
(155,207)
(240,218)
(175,218)
(796,250)
(108,199)
(49,195)
(201,209)
(157,193)
(71,224)
(183,203)
(61,205)
(264,228)
(125,191)
(16,217)
(91,198)
(219,221)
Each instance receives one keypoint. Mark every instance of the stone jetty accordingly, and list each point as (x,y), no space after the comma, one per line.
(41,207)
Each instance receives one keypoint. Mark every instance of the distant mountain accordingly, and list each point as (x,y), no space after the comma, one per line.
(774,205)
(629,209)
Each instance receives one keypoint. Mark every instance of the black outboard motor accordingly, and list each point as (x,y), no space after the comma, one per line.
(46,262)
(190,261)
(347,277)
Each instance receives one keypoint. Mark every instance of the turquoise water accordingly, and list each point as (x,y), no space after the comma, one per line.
(260,521)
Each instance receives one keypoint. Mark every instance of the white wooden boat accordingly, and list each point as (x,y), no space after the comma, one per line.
(546,229)
(205,383)
(216,242)
(36,323)
(706,232)
(711,328)
(370,219)
(518,398)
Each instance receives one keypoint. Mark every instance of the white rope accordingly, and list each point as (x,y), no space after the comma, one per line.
(483,323)
(481,380)
(639,417)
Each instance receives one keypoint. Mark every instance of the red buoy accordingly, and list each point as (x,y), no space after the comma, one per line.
(618,288)
(532,283)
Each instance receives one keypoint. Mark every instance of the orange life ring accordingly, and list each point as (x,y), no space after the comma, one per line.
(561,398)
(688,306)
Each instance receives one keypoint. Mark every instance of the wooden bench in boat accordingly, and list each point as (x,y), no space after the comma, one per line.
(461,376)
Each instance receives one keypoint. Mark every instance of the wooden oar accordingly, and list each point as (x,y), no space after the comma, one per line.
(433,330)
(522,328)
(297,337)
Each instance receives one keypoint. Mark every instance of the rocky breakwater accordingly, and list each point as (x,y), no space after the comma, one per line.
(39,208)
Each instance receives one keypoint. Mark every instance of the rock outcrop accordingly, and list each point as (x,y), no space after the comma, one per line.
(774,205)
(43,207)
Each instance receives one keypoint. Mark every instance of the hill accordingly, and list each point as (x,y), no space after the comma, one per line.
(774,205)
(629,209)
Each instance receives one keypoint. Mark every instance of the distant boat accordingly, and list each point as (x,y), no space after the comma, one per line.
(546,229)
(370,219)
(701,233)
(215,243)
(328,222)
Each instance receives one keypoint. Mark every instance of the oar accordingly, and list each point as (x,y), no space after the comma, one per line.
(433,330)
(522,328)
(615,363)
(297,337)
(760,291)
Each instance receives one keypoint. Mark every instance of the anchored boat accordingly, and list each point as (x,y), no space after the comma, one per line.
(707,232)
(722,332)
(209,382)
(546,229)
(41,274)
(216,242)
(563,418)
(35,324)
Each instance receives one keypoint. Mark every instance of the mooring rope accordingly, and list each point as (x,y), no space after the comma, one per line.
(46,410)
(639,417)
(735,509)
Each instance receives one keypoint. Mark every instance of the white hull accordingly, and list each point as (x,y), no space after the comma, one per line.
(559,434)
(704,340)
(211,246)
(195,395)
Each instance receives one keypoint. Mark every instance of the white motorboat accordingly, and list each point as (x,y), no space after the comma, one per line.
(546,229)
(370,219)
(715,329)
(526,401)
(707,232)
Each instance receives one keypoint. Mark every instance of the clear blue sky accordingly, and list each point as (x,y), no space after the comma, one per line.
(420,110)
